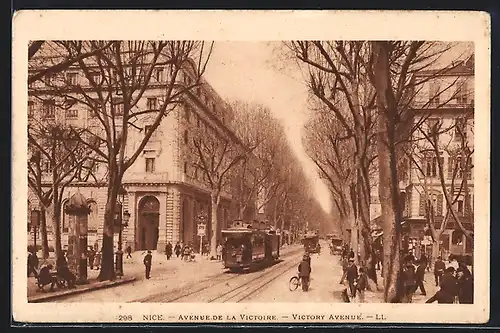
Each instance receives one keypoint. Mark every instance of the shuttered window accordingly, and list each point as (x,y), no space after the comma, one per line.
(421,208)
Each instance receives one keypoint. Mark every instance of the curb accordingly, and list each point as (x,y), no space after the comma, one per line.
(100,285)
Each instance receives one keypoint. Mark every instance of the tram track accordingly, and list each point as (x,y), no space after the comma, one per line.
(216,281)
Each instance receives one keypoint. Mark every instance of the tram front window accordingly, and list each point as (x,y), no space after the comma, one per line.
(238,247)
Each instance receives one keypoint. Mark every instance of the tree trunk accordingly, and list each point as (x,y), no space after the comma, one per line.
(388,185)
(215,198)
(43,232)
(56,223)
(107,259)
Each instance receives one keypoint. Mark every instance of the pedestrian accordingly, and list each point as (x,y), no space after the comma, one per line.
(452,262)
(97,259)
(177,249)
(186,253)
(305,272)
(351,254)
(448,288)
(183,248)
(345,264)
(420,274)
(91,256)
(465,284)
(408,278)
(219,252)
(64,271)
(362,284)
(439,268)
(352,276)
(45,278)
(409,258)
(424,260)
(168,250)
(129,252)
(148,259)
(32,263)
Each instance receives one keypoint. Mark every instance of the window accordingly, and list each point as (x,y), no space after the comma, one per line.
(460,129)
(460,207)
(436,201)
(46,166)
(434,94)
(117,105)
(147,129)
(186,136)
(152,103)
(49,79)
(433,127)
(461,94)
(31,109)
(72,78)
(72,113)
(96,76)
(431,167)
(49,109)
(457,166)
(65,220)
(150,164)
(159,75)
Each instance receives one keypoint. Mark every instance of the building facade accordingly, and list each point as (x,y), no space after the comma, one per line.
(441,160)
(166,193)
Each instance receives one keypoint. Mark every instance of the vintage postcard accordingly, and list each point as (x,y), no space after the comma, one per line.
(251,167)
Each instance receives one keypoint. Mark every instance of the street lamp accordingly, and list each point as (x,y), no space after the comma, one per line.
(35,220)
(121,220)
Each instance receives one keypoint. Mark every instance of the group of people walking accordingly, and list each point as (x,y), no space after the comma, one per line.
(455,281)
(354,279)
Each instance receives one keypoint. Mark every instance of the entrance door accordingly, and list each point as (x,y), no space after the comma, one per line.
(149,222)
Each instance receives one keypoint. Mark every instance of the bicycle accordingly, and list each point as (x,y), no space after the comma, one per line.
(294,283)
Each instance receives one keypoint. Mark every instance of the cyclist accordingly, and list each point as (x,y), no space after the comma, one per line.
(305,271)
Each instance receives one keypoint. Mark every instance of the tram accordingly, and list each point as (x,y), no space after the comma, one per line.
(247,245)
(311,243)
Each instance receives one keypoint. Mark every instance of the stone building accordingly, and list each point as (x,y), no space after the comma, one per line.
(166,193)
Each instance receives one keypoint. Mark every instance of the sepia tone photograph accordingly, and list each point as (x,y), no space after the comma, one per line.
(204,170)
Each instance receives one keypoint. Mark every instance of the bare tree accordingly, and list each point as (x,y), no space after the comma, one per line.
(116,78)
(259,174)
(57,159)
(337,78)
(217,152)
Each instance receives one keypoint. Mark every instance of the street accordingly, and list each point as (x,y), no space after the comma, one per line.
(206,281)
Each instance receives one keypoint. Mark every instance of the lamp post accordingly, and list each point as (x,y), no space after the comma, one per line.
(35,220)
(121,220)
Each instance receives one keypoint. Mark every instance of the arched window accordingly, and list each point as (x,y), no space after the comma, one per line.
(457,237)
(93,217)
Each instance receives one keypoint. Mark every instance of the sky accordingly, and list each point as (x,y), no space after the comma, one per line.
(251,71)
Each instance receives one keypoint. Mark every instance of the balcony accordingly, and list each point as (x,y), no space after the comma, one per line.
(146,177)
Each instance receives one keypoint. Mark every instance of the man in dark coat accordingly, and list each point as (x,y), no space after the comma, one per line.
(419,277)
(424,260)
(305,272)
(446,294)
(177,249)
(148,259)
(64,271)
(168,250)
(45,278)
(129,252)
(409,281)
(439,267)
(465,286)
(352,276)
(32,263)
(91,256)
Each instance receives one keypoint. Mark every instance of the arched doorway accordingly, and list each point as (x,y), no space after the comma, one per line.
(149,223)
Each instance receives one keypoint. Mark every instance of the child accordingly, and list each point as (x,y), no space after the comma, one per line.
(362,284)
